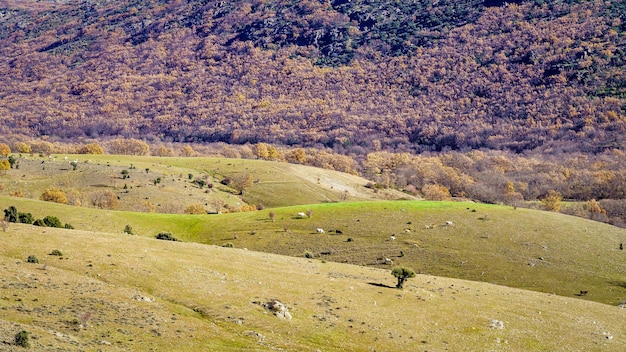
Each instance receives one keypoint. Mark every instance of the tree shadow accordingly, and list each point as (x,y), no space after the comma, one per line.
(621,284)
(380,285)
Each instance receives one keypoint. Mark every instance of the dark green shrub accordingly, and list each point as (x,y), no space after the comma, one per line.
(56,252)
(32,259)
(10,214)
(402,274)
(128,230)
(52,221)
(39,222)
(308,254)
(228,245)
(25,218)
(68,226)
(22,339)
(166,236)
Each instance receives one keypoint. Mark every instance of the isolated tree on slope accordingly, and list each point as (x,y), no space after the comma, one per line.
(402,274)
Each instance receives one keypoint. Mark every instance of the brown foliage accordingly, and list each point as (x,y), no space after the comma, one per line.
(241,182)
(4,166)
(435,192)
(54,195)
(552,201)
(187,151)
(195,209)
(104,199)
(129,146)
(21,147)
(92,148)
(5,150)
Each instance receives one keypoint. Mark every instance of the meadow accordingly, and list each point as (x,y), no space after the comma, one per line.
(548,280)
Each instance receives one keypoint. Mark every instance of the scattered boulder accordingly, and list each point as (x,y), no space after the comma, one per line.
(279,309)
(254,334)
(142,298)
(497,324)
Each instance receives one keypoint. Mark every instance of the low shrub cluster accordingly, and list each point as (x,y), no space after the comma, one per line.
(166,236)
(11,214)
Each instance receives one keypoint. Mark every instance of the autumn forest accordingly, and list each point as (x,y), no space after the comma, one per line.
(495,101)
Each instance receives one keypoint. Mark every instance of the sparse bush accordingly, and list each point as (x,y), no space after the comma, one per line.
(200,183)
(228,245)
(128,229)
(187,151)
(68,226)
(436,192)
(74,198)
(22,339)
(349,239)
(104,199)
(402,274)
(128,147)
(166,236)
(195,209)
(5,165)
(56,252)
(32,259)
(21,147)
(242,181)
(552,201)
(12,161)
(308,254)
(242,209)
(39,222)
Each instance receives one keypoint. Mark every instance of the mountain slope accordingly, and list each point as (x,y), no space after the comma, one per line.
(427,76)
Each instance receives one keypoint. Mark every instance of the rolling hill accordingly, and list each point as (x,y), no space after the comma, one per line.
(489,276)
(168,185)
(115,292)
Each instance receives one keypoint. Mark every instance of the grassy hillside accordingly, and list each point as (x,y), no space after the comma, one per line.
(521,248)
(114,292)
(274,184)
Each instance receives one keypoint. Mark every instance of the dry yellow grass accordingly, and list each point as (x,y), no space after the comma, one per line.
(134,293)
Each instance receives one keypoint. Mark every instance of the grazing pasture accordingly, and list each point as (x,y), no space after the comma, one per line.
(121,292)
(529,249)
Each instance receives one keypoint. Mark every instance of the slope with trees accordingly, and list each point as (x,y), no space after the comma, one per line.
(345,75)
